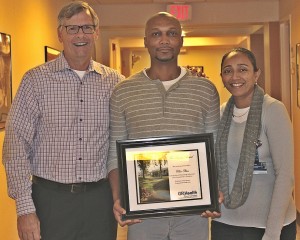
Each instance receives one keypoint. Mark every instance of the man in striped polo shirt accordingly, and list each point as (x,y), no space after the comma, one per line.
(163,100)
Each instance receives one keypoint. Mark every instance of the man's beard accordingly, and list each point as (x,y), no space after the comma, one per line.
(165,59)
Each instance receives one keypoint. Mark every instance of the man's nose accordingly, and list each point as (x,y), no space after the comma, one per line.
(165,39)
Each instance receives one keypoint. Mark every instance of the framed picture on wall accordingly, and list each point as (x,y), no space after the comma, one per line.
(5,77)
(51,53)
(197,70)
(298,73)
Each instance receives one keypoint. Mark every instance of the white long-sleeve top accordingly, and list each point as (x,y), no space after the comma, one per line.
(270,203)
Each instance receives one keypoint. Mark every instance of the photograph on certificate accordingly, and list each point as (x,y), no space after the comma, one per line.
(164,176)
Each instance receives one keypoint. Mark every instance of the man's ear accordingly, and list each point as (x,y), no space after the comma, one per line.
(97,33)
(59,34)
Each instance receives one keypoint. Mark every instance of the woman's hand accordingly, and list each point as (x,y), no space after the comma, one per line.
(209,214)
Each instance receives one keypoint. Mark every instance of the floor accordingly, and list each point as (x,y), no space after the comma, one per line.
(122,233)
(298,231)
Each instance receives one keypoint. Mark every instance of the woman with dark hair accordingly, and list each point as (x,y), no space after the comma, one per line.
(254,152)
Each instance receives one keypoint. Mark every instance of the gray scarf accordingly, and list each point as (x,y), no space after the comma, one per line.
(243,178)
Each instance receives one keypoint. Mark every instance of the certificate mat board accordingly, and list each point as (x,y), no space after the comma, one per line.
(166,176)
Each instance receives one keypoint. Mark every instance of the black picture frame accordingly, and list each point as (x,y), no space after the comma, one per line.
(50,53)
(181,176)
(5,78)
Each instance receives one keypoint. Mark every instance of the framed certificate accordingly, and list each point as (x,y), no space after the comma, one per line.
(167,176)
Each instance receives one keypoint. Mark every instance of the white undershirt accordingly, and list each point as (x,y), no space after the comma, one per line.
(79,73)
(168,84)
(240,114)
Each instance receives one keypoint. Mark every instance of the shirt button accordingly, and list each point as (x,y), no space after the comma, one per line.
(81,100)
(80,159)
(80,139)
(80,119)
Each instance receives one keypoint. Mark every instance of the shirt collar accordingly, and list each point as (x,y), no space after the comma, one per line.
(60,64)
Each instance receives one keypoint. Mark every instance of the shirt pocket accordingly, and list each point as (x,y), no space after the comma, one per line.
(59,107)
(96,108)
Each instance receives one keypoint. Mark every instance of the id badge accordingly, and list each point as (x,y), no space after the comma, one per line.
(260,168)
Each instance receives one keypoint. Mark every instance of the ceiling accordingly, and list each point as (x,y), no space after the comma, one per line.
(218,31)
(166,1)
(237,29)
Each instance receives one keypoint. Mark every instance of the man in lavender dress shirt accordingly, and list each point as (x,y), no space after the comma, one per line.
(56,143)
